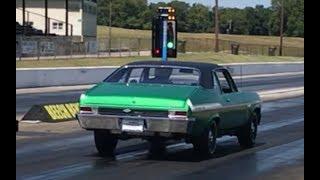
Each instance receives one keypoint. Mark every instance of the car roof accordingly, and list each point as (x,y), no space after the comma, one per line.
(206,79)
(198,65)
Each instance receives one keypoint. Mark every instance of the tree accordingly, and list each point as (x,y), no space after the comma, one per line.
(127,14)
(238,19)
(293,17)
(198,18)
(138,14)
(258,20)
(182,9)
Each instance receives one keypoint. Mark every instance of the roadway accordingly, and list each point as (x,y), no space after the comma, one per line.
(68,152)
(278,154)
(25,101)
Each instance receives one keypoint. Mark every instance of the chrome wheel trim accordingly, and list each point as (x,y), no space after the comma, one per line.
(253,131)
(211,142)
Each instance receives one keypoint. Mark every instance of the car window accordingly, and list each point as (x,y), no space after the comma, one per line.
(226,83)
(215,82)
(156,75)
(135,75)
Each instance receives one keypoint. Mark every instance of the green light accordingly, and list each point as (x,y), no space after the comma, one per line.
(170,45)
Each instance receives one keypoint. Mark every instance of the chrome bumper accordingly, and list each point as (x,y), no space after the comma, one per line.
(152,124)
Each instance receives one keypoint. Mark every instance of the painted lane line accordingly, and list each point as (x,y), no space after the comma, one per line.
(276,105)
(72,141)
(54,144)
(285,154)
(67,171)
(269,75)
(282,90)
(267,127)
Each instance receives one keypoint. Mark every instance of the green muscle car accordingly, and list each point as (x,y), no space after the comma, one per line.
(159,101)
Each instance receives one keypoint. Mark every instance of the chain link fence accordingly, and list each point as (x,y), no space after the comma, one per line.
(61,47)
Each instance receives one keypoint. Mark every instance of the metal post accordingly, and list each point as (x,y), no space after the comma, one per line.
(49,22)
(120,48)
(139,44)
(38,50)
(20,47)
(281,29)
(71,50)
(110,24)
(164,41)
(216,27)
(24,16)
(71,29)
(67,17)
(46,17)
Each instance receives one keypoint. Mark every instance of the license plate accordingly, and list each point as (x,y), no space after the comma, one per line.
(132,125)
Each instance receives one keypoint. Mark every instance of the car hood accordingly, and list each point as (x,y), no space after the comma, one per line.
(152,96)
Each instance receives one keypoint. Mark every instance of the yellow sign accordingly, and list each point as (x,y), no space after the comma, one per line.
(62,111)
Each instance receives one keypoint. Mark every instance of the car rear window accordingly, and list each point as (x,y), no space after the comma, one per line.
(156,75)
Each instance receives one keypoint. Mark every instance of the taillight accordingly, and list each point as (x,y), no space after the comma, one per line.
(86,110)
(157,51)
(181,115)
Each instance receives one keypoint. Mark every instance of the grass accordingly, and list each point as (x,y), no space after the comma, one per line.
(103,32)
(116,61)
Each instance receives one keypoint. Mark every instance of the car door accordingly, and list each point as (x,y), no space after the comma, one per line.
(233,113)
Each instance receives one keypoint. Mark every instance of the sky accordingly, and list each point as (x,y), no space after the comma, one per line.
(225,3)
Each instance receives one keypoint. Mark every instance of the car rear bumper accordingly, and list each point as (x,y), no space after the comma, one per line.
(151,124)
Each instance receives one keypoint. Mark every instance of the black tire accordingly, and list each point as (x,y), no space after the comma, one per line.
(105,143)
(205,145)
(157,146)
(248,133)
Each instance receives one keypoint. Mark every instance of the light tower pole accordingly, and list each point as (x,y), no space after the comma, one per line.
(281,27)
(216,27)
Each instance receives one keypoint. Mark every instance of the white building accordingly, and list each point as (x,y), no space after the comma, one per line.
(82,16)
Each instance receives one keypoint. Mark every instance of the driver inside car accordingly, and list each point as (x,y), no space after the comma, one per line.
(161,76)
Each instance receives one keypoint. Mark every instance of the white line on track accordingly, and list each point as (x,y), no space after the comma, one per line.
(268,75)
(71,170)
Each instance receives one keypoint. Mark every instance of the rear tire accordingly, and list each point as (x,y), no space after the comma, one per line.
(205,145)
(248,133)
(105,143)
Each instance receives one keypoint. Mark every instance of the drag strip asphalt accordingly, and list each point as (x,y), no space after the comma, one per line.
(279,149)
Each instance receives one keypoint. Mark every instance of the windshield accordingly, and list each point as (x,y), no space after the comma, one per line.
(156,75)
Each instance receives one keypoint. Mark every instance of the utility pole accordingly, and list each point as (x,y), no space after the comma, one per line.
(46,17)
(281,27)
(24,16)
(110,24)
(216,27)
(67,17)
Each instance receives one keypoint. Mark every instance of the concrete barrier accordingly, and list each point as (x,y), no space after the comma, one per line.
(264,68)
(42,77)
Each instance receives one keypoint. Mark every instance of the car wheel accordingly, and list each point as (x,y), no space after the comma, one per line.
(205,145)
(248,133)
(156,146)
(105,143)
